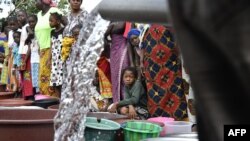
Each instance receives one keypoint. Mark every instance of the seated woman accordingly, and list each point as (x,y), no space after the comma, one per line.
(135,103)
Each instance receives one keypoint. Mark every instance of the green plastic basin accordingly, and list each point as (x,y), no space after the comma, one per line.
(100,129)
(137,130)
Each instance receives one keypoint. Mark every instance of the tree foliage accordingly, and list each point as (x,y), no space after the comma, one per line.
(27,5)
(30,7)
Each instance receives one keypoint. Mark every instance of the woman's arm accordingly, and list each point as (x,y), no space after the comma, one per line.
(130,54)
(108,32)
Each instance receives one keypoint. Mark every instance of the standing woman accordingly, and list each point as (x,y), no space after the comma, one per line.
(75,17)
(119,59)
(163,75)
(42,32)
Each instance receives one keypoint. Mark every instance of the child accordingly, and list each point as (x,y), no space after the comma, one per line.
(4,40)
(15,77)
(13,27)
(135,102)
(75,31)
(24,51)
(102,81)
(57,63)
(34,52)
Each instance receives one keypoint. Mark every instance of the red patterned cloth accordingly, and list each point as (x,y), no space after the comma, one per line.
(163,74)
(27,88)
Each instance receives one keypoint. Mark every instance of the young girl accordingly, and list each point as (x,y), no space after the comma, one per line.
(24,51)
(34,52)
(75,31)
(15,78)
(135,102)
(4,46)
(13,27)
(56,61)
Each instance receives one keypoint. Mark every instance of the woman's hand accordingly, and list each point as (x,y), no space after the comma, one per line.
(131,112)
(113,108)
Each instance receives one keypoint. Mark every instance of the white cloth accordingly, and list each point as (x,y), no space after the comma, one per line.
(34,49)
(24,34)
(10,39)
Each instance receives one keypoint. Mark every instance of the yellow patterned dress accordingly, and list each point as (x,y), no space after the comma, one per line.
(44,76)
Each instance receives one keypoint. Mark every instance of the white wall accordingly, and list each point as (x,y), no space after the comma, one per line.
(90,4)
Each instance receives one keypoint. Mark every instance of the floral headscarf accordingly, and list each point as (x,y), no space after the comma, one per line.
(49,2)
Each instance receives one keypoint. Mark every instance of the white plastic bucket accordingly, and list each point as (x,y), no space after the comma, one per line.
(176,127)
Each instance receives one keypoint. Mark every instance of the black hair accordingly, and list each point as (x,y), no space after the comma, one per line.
(57,16)
(70,0)
(3,25)
(17,32)
(23,11)
(78,26)
(12,18)
(132,69)
(33,16)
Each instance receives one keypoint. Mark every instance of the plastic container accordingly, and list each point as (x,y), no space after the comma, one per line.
(136,130)
(54,107)
(162,120)
(45,103)
(100,129)
(40,97)
(15,102)
(26,124)
(6,95)
(176,127)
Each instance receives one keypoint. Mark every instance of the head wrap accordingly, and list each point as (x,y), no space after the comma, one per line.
(49,2)
(133,31)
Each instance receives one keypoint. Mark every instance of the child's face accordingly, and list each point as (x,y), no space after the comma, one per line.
(134,40)
(75,33)
(128,78)
(32,22)
(53,22)
(13,25)
(16,37)
(21,17)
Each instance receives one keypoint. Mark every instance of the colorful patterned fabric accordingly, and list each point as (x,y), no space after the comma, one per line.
(44,76)
(12,75)
(2,44)
(74,20)
(26,78)
(35,74)
(4,73)
(104,78)
(118,61)
(163,74)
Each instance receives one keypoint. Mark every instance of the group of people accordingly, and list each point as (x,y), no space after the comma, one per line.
(139,70)
(35,49)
